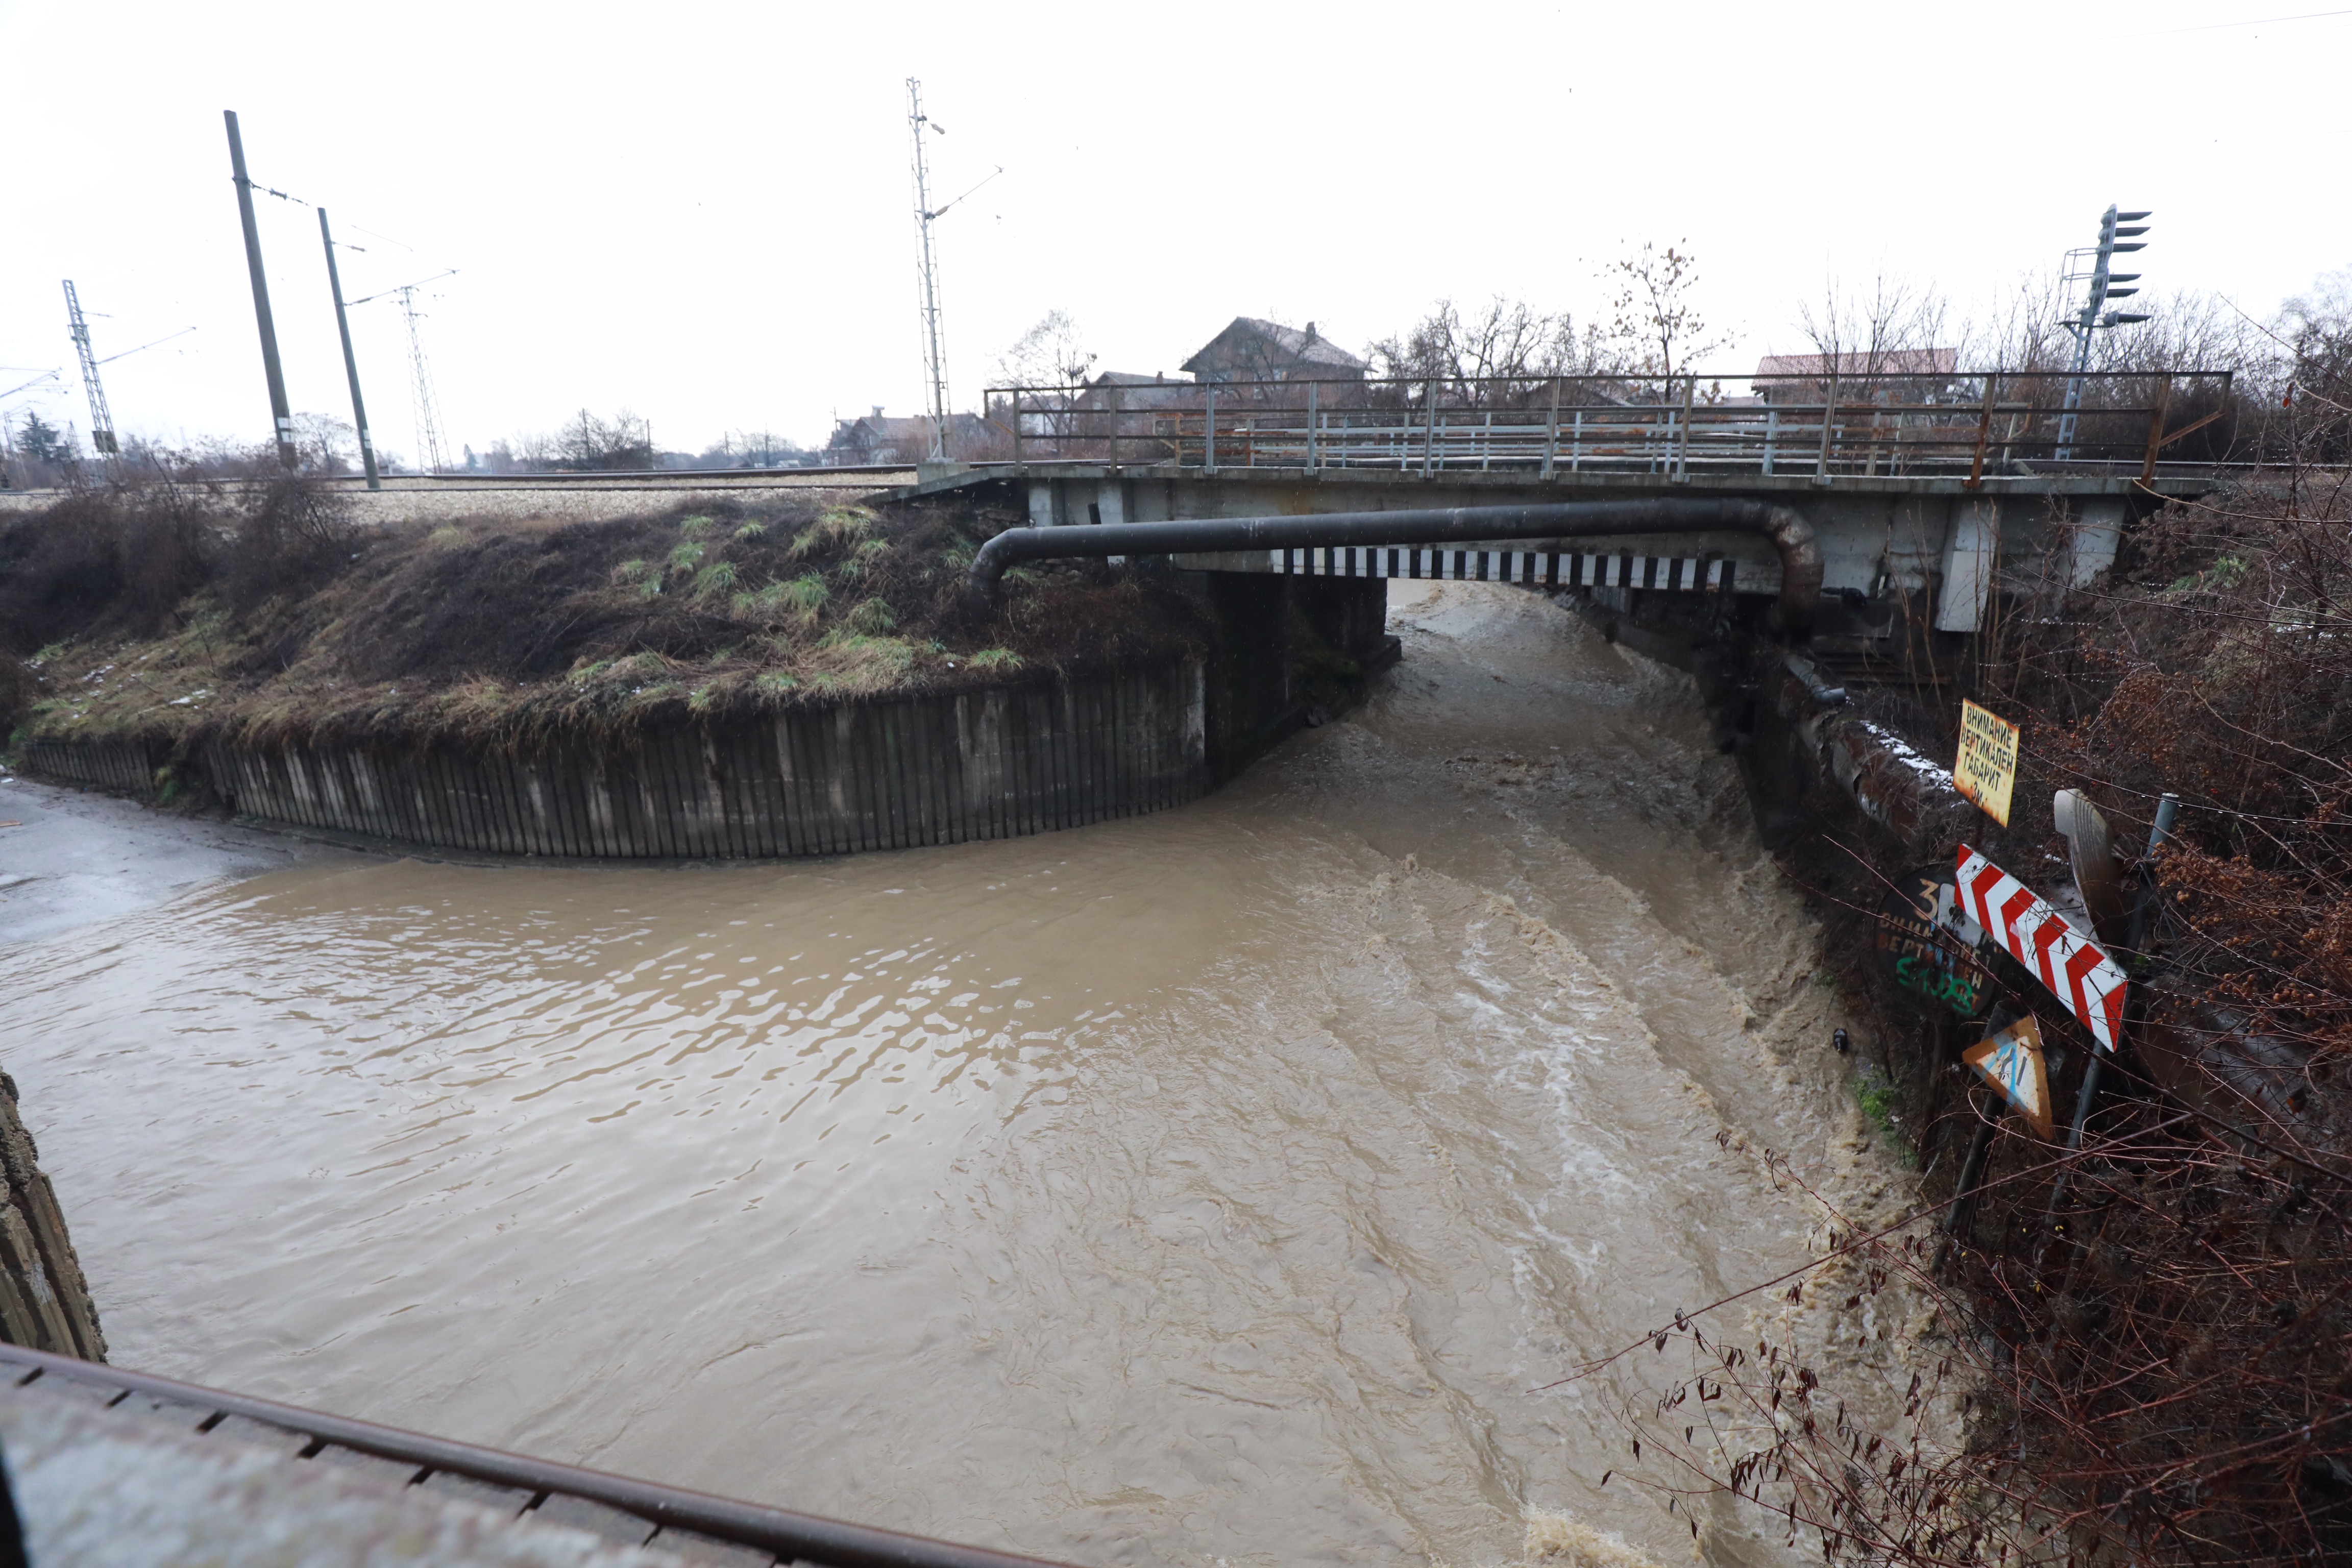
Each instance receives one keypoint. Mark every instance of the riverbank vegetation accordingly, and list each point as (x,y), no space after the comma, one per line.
(256,611)
(2138,1350)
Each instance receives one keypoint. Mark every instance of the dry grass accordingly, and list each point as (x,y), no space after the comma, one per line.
(517,632)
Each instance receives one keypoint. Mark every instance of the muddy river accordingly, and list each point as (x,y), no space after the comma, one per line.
(1215,1186)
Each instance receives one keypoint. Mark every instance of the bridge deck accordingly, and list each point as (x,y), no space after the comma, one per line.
(1673,429)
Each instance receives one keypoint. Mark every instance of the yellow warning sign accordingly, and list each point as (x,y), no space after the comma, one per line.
(2011,1062)
(1988,765)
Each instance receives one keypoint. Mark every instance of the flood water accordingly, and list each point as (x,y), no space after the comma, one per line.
(1216,1184)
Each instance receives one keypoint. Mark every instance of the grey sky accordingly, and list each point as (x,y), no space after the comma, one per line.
(703,211)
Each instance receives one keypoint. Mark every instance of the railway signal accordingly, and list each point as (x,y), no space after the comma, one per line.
(2118,231)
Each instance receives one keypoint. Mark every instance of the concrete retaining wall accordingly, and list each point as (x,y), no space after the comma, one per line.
(865,776)
(121,767)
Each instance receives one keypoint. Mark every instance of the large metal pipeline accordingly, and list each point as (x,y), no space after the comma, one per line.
(1800,555)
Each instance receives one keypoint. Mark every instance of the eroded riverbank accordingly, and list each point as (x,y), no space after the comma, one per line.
(1213,1185)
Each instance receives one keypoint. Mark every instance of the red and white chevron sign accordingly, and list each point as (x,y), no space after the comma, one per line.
(2077,971)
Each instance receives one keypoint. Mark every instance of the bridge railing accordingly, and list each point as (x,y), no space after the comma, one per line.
(1827,427)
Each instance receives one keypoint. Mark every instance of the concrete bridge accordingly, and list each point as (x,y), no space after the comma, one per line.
(1932,499)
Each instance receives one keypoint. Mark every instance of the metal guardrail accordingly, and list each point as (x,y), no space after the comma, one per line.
(1826,427)
(791,1537)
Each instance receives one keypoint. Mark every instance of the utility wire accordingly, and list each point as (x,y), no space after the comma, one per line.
(381,293)
(344,244)
(2257,22)
(35,382)
(166,338)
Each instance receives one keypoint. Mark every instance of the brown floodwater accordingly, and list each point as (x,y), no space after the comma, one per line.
(1214,1186)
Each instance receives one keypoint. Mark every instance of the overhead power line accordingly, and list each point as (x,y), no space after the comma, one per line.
(45,375)
(142,348)
(2256,22)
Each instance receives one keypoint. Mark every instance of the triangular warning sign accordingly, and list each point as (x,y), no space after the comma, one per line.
(2011,1062)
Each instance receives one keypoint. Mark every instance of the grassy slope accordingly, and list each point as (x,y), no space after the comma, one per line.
(511,631)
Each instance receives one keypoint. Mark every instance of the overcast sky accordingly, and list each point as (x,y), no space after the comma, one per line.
(703,212)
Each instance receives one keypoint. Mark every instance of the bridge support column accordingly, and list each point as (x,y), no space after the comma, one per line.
(1971,556)
(2096,529)
(1291,651)
(1250,707)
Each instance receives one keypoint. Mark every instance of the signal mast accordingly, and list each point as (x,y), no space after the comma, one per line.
(2117,231)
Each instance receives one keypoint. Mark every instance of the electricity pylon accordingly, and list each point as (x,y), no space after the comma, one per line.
(101,420)
(935,364)
(420,378)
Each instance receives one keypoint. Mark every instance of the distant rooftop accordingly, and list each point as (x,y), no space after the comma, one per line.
(1891,362)
(1268,348)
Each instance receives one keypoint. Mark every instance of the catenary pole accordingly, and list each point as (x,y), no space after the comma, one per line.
(935,364)
(351,364)
(281,414)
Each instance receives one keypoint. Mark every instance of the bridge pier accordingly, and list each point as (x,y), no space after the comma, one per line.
(1291,652)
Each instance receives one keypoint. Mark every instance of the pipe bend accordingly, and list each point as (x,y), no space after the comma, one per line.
(1801,562)
(1790,534)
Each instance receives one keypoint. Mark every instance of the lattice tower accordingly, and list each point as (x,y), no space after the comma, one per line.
(420,382)
(935,364)
(102,420)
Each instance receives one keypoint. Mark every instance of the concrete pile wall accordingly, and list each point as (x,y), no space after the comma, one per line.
(886,774)
(44,1301)
(122,767)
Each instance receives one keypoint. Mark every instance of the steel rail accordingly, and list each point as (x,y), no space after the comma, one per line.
(1790,535)
(792,1536)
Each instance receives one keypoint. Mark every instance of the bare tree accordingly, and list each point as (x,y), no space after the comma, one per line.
(587,443)
(1050,355)
(1878,330)
(1509,342)
(1053,352)
(1654,325)
(2318,330)
(2311,374)
(327,445)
